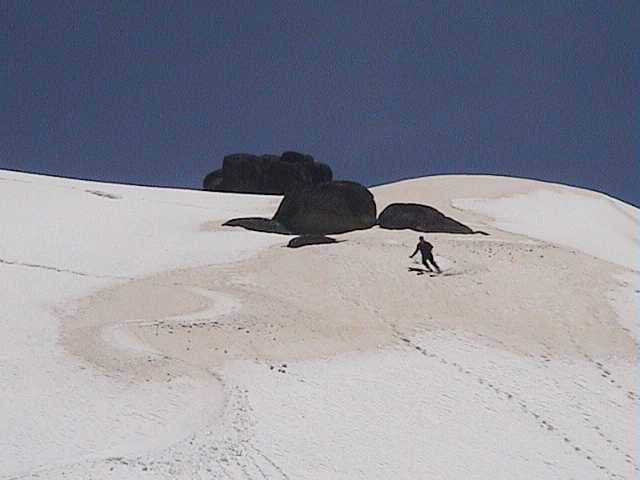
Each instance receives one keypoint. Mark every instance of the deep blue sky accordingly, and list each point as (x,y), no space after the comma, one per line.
(158,92)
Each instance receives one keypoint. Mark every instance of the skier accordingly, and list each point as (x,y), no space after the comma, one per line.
(425,249)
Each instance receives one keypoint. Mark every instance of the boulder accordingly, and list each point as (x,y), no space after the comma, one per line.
(213,180)
(304,240)
(258,224)
(321,173)
(332,207)
(296,157)
(246,173)
(267,174)
(421,218)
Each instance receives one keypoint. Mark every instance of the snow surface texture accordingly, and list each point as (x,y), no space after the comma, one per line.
(144,340)
(568,218)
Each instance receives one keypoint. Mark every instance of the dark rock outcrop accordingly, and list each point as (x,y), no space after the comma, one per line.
(296,157)
(321,173)
(258,224)
(267,174)
(421,218)
(304,240)
(213,180)
(332,207)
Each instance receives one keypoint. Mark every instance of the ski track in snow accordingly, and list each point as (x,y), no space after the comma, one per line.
(316,417)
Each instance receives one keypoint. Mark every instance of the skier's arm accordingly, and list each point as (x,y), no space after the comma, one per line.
(414,253)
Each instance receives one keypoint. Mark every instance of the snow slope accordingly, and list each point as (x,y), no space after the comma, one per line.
(569,217)
(64,239)
(144,340)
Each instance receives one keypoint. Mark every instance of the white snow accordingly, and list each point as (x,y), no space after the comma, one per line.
(143,340)
(59,242)
(600,226)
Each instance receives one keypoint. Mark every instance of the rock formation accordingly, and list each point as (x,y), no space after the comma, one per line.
(267,174)
(333,207)
(304,240)
(421,218)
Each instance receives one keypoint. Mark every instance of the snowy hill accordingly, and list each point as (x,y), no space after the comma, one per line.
(141,339)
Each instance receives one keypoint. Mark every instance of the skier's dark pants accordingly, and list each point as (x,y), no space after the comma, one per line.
(429,258)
